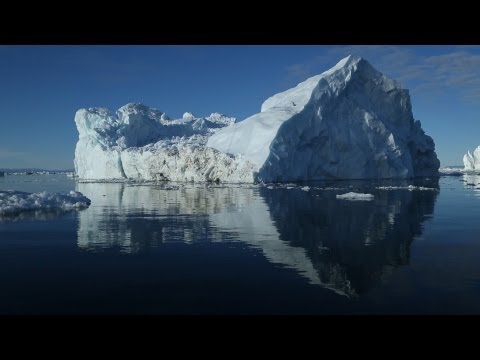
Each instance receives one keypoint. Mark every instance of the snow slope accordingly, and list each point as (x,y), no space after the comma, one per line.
(350,122)
(472,161)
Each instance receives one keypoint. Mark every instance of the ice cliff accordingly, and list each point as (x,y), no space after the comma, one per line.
(349,122)
(472,161)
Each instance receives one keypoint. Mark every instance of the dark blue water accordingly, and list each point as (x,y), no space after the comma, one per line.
(197,249)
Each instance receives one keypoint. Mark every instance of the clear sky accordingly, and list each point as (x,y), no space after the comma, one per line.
(41,87)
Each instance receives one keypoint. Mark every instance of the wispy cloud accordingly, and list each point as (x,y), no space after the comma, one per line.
(298,71)
(456,71)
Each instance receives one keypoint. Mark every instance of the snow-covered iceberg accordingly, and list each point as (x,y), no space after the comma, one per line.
(350,122)
(472,161)
(13,203)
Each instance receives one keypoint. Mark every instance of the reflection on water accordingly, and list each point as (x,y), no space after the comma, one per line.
(349,247)
(353,246)
(41,214)
(472,181)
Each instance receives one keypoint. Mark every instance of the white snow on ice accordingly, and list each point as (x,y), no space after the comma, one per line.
(355,196)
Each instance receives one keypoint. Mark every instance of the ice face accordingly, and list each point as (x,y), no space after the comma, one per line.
(350,122)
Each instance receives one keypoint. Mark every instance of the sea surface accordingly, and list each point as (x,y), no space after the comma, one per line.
(273,249)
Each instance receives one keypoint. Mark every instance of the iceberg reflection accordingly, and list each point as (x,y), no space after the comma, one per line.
(472,181)
(349,247)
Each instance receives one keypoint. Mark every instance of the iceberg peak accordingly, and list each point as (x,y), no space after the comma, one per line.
(348,61)
(350,68)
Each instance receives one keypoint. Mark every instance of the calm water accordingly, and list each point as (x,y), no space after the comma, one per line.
(144,249)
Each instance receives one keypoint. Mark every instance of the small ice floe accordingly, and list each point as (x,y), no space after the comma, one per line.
(15,202)
(451,171)
(355,196)
(305,188)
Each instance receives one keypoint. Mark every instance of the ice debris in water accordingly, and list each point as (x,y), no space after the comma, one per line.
(14,202)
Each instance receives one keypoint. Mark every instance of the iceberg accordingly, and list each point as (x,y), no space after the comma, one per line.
(14,203)
(472,161)
(350,122)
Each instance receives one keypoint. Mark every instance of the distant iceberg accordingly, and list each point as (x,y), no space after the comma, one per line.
(472,161)
(350,122)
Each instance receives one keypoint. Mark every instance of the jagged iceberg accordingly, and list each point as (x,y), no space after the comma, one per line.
(350,122)
(138,142)
(472,161)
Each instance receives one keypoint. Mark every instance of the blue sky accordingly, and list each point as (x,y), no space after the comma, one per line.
(41,87)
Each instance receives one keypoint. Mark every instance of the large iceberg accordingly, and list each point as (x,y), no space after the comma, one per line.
(472,161)
(350,122)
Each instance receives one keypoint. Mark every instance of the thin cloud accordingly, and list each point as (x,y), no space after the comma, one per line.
(455,71)
(10,154)
(299,71)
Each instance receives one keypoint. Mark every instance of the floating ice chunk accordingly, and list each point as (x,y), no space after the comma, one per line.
(15,202)
(451,171)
